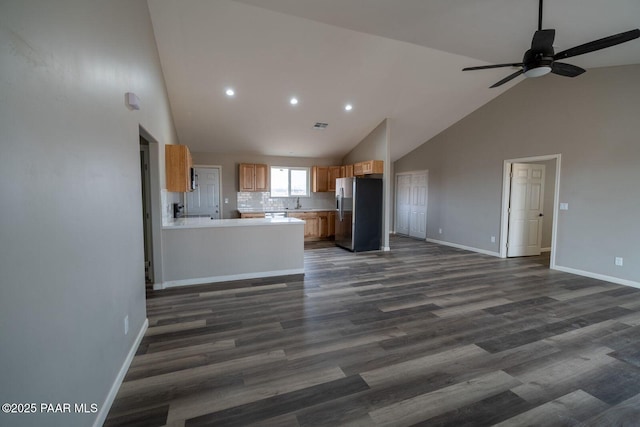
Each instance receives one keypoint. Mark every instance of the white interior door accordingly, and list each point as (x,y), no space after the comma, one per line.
(205,199)
(411,204)
(403,203)
(418,218)
(525,209)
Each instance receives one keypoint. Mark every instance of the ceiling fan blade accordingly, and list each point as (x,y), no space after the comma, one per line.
(566,70)
(485,67)
(598,44)
(508,78)
(543,41)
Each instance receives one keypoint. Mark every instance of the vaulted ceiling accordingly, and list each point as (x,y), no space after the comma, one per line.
(393,59)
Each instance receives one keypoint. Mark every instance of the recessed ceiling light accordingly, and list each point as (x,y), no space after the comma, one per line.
(348,107)
(293,101)
(230,92)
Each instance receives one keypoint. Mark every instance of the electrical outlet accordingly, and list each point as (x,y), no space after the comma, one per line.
(126,324)
(493,239)
(226,200)
(439,230)
(619,261)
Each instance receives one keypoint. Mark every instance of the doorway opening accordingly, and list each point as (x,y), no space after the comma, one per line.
(411,204)
(151,199)
(145,176)
(530,197)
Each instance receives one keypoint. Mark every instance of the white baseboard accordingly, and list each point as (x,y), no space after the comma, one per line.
(106,405)
(228,278)
(386,248)
(611,279)
(545,249)
(466,248)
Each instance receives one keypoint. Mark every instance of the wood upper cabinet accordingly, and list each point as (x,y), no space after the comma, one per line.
(368,168)
(334,173)
(262,177)
(178,164)
(323,178)
(253,177)
(348,171)
(319,179)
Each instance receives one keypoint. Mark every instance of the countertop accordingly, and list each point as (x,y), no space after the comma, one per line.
(206,222)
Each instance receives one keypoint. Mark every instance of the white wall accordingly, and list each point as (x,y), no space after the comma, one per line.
(71,258)
(592,120)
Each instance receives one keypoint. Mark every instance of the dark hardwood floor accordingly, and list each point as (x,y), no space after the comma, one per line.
(423,335)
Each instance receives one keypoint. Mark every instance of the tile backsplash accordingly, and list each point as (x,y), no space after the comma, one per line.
(264,201)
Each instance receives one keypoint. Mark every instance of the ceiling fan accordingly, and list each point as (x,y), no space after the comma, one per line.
(541,59)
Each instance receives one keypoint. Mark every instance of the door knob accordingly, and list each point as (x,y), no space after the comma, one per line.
(540,214)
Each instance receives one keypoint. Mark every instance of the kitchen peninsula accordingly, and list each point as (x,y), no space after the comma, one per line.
(202,250)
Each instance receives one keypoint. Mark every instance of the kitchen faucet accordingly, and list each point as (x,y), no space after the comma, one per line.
(298,205)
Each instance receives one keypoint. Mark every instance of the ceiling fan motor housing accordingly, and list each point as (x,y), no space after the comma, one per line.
(533,60)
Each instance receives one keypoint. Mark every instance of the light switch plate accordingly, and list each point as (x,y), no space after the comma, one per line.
(619,261)
(564,206)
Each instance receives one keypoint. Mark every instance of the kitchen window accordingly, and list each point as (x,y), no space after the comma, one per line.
(289,182)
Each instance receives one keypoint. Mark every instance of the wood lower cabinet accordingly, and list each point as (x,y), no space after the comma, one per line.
(311,223)
(253,177)
(332,224)
(323,224)
(178,164)
(326,224)
(318,225)
(252,215)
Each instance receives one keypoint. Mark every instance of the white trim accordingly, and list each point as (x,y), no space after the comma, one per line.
(606,278)
(545,249)
(106,405)
(467,248)
(506,194)
(227,278)
(386,249)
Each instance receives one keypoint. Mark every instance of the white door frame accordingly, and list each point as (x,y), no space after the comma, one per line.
(506,195)
(220,185)
(395,201)
(156,201)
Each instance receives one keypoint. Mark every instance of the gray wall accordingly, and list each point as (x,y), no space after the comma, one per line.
(71,259)
(592,120)
(375,146)
(230,162)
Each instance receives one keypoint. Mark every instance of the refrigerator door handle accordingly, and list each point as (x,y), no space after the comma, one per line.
(341,207)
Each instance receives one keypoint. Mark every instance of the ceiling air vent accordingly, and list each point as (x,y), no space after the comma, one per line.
(320,126)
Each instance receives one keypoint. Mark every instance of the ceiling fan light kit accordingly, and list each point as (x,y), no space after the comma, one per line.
(541,59)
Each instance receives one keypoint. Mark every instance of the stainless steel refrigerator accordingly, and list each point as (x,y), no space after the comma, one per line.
(359,213)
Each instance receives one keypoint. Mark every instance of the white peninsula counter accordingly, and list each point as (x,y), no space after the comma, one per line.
(203,250)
